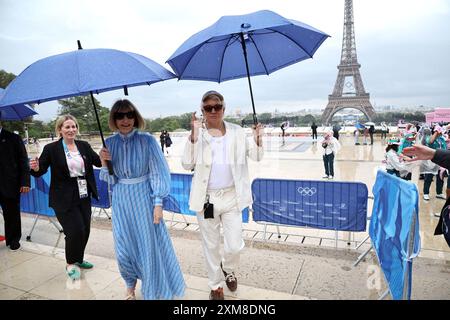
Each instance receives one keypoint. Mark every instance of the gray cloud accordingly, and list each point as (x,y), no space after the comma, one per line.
(404,55)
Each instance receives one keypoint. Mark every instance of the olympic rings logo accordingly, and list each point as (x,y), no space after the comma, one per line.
(305,191)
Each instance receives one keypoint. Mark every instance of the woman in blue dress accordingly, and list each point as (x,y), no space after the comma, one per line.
(140,181)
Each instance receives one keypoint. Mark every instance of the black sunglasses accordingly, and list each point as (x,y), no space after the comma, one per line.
(121,115)
(217,107)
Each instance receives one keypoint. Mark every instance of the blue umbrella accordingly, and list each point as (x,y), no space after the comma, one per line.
(15,112)
(83,72)
(244,45)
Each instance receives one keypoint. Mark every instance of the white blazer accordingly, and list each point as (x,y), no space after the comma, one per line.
(198,156)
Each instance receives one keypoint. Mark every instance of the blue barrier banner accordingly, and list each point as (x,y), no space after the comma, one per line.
(178,199)
(36,201)
(103,194)
(317,204)
(394,231)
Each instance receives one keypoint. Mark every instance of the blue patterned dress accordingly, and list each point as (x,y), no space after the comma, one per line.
(144,250)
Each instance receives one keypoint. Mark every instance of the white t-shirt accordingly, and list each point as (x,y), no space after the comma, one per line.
(221,176)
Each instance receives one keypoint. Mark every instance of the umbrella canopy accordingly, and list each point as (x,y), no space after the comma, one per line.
(15,112)
(369,124)
(82,72)
(244,45)
(359,126)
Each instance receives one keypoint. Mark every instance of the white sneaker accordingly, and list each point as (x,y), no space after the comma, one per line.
(330,177)
(325,177)
(426,197)
(441,196)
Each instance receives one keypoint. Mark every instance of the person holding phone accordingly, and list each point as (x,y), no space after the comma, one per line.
(217,151)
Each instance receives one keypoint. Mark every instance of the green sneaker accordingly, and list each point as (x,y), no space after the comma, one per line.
(85,265)
(73,272)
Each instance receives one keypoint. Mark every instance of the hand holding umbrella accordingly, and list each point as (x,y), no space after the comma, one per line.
(82,72)
(196,124)
(258,132)
(245,45)
(105,156)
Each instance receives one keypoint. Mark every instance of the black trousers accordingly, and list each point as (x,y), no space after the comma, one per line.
(427,183)
(328,161)
(11,215)
(76,223)
(314,135)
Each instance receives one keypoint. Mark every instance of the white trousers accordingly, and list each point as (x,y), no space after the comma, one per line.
(227,214)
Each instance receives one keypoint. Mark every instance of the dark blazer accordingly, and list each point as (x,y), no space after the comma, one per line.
(14,166)
(62,186)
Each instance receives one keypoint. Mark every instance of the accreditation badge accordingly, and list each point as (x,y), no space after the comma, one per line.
(82,187)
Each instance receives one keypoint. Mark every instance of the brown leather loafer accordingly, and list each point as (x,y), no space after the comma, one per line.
(216,294)
(230,280)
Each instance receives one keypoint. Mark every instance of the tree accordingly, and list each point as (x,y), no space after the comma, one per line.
(185,120)
(308,119)
(40,129)
(82,109)
(168,123)
(6,78)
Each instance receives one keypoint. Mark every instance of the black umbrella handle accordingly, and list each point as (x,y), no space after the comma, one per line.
(110,167)
(108,162)
(244,49)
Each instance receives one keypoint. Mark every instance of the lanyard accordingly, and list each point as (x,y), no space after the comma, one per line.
(69,155)
(66,150)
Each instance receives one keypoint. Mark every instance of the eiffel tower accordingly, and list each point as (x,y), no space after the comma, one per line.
(348,77)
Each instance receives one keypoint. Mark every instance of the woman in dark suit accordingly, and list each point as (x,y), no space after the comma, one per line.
(71,186)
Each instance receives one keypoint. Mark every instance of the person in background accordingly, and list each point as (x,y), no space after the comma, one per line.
(141,180)
(434,141)
(72,184)
(371,132)
(168,142)
(220,187)
(14,180)
(314,131)
(408,139)
(336,128)
(162,140)
(384,131)
(331,147)
(356,133)
(283,131)
(394,165)
(365,135)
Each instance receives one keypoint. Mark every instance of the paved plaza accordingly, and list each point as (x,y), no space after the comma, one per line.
(301,263)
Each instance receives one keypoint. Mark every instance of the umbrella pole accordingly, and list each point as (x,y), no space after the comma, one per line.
(244,48)
(108,163)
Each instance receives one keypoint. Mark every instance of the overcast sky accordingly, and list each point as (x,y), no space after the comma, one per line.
(402,45)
